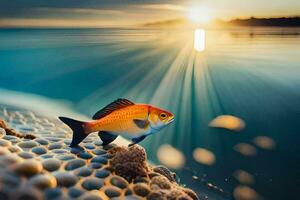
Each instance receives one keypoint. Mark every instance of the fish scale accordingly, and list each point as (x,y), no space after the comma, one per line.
(122,120)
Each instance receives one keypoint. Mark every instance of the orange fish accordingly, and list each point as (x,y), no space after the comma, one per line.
(121,117)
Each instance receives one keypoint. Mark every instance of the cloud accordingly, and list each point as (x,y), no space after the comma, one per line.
(90,17)
(124,12)
(57,23)
(168,7)
(89,11)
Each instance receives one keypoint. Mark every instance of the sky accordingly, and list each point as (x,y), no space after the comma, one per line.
(110,13)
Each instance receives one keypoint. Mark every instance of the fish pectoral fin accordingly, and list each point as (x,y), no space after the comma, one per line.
(106,137)
(137,140)
(141,123)
(116,105)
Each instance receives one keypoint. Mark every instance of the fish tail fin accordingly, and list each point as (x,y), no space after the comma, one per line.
(77,128)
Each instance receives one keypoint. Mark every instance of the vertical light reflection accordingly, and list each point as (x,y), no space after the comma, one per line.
(199,40)
(170,90)
(136,86)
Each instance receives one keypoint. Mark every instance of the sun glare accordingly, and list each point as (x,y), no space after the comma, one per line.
(199,14)
(199,40)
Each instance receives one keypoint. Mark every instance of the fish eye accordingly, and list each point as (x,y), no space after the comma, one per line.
(163,115)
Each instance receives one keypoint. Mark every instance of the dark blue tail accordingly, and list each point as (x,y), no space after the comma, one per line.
(78,130)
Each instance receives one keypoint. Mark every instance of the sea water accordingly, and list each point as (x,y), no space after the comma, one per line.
(249,73)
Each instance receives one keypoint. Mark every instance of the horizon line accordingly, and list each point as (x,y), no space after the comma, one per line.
(86,26)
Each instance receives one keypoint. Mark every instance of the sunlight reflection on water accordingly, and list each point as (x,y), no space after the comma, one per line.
(199,40)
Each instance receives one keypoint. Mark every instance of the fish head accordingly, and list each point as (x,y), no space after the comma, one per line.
(159,118)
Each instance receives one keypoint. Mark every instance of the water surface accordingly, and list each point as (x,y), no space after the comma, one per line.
(253,74)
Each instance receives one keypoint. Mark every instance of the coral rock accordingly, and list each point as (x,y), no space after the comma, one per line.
(130,162)
(175,194)
(165,172)
(191,193)
(157,195)
(160,181)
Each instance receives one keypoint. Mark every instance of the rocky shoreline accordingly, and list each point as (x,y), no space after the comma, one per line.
(36,162)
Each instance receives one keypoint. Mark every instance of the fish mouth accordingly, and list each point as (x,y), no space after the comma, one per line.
(171,120)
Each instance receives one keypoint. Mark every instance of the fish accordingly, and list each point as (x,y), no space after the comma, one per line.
(121,117)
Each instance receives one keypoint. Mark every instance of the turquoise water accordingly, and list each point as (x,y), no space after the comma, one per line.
(253,74)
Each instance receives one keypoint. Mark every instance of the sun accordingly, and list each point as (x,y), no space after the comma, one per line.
(199,14)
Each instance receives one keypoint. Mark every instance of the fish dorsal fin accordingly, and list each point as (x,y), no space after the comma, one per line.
(117,104)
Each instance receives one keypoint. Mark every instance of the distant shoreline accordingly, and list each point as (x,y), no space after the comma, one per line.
(280,22)
(218,23)
(275,22)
